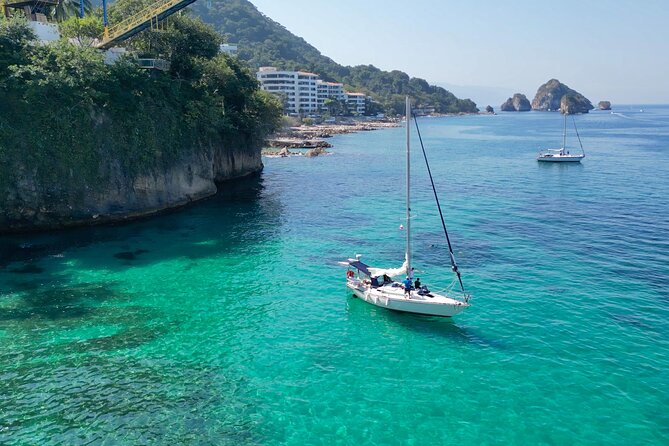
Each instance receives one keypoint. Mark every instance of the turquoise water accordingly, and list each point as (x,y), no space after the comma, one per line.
(229,323)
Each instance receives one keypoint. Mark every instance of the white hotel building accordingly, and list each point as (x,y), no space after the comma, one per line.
(329,90)
(356,102)
(298,88)
(303,92)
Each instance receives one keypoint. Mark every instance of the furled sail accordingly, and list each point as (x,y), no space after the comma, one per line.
(390,272)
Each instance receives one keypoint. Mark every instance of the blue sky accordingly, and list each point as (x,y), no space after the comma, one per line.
(608,50)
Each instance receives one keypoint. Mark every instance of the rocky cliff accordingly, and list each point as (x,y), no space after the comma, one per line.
(550,96)
(83,142)
(35,204)
(518,102)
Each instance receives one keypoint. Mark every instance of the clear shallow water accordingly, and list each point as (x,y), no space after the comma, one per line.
(229,323)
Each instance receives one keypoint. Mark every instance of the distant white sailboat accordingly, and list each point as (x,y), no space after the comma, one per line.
(376,286)
(562,155)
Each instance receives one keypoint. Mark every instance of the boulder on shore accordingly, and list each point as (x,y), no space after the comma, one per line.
(550,97)
(518,102)
(315,152)
(604,105)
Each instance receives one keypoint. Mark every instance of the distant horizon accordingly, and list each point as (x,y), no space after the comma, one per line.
(607,52)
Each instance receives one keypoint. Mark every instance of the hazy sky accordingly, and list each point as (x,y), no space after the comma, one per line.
(608,50)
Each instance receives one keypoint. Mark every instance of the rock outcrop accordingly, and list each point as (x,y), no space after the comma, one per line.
(518,102)
(35,205)
(315,152)
(550,96)
(571,105)
(489,109)
(604,105)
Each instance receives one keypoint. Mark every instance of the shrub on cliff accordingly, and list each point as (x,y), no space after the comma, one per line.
(15,36)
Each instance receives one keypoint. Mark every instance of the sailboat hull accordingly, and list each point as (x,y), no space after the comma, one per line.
(393,298)
(560,158)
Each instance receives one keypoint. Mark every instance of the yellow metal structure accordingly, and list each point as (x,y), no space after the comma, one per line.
(143,19)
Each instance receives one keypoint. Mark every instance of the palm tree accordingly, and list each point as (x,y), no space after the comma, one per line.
(69,8)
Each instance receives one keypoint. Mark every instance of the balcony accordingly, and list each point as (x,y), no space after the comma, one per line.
(154,64)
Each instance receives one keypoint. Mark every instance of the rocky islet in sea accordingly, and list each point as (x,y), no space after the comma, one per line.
(518,102)
(552,96)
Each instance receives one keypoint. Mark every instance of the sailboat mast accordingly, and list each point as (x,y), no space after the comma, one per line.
(408,164)
(564,133)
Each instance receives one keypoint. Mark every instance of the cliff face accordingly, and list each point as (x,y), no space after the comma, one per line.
(550,96)
(33,205)
(518,102)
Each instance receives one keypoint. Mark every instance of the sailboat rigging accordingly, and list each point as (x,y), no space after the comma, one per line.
(376,286)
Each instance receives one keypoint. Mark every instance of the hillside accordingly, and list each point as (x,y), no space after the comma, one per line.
(264,42)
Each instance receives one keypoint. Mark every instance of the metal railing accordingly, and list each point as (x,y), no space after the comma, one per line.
(147,15)
(154,64)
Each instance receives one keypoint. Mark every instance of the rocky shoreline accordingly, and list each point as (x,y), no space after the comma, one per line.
(312,137)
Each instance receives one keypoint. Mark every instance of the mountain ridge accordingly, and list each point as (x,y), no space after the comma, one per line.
(265,42)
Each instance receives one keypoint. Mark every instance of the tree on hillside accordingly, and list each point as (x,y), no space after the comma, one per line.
(15,37)
(70,8)
(335,107)
(85,30)
(372,107)
(184,40)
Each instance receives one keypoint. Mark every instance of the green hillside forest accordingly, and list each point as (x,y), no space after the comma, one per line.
(264,42)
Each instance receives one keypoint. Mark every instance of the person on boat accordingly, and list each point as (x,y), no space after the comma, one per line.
(407,287)
(417,283)
(375,282)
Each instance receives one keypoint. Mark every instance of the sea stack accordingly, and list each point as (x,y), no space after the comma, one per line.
(518,102)
(604,105)
(550,96)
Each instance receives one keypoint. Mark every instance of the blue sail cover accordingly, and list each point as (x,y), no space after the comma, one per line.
(357,264)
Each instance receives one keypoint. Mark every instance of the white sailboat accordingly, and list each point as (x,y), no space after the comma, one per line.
(562,155)
(376,285)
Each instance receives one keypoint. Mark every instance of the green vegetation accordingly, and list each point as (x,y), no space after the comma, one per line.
(84,30)
(69,8)
(263,42)
(64,113)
